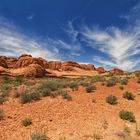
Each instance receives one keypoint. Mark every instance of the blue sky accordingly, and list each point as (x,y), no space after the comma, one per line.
(103,32)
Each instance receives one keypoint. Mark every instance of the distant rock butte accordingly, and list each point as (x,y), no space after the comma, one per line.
(28,66)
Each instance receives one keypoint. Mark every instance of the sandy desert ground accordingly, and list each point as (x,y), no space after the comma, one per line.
(87,116)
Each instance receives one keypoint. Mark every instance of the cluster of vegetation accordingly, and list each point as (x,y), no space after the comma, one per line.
(124,81)
(2,114)
(126,115)
(39,135)
(111,82)
(128,95)
(90,88)
(111,100)
(26,122)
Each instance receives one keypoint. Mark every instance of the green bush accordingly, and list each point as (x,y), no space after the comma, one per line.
(39,135)
(2,100)
(138,132)
(90,88)
(74,86)
(111,82)
(128,95)
(66,96)
(26,122)
(126,115)
(46,92)
(53,85)
(35,96)
(25,98)
(16,95)
(98,78)
(19,80)
(111,100)
(124,81)
(2,114)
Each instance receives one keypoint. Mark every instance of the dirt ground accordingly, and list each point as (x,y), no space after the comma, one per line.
(78,119)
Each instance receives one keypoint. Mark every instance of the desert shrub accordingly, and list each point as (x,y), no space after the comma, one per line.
(121,87)
(138,81)
(52,85)
(84,84)
(93,100)
(2,114)
(98,79)
(25,98)
(97,136)
(39,135)
(127,129)
(138,132)
(19,80)
(26,122)
(126,115)
(35,95)
(90,88)
(111,82)
(66,96)
(74,86)
(137,74)
(46,92)
(6,79)
(128,95)
(2,100)
(124,81)
(16,95)
(111,99)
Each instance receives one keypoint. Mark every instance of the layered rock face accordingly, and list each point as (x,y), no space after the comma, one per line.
(25,60)
(33,70)
(87,66)
(54,65)
(28,66)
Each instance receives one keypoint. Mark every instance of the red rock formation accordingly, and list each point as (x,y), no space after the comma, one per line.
(33,70)
(87,66)
(100,70)
(3,62)
(69,65)
(25,60)
(54,65)
(116,71)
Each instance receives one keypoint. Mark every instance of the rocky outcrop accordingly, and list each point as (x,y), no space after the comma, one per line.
(116,71)
(54,65)
(69,65)
(33,70)
(25,60)
(87,66)
(3,62)
(100,70)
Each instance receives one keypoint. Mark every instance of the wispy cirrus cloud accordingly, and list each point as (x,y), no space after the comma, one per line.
(121,46)
(14,42)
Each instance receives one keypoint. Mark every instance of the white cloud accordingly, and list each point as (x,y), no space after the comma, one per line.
(120,45)
(14,42)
